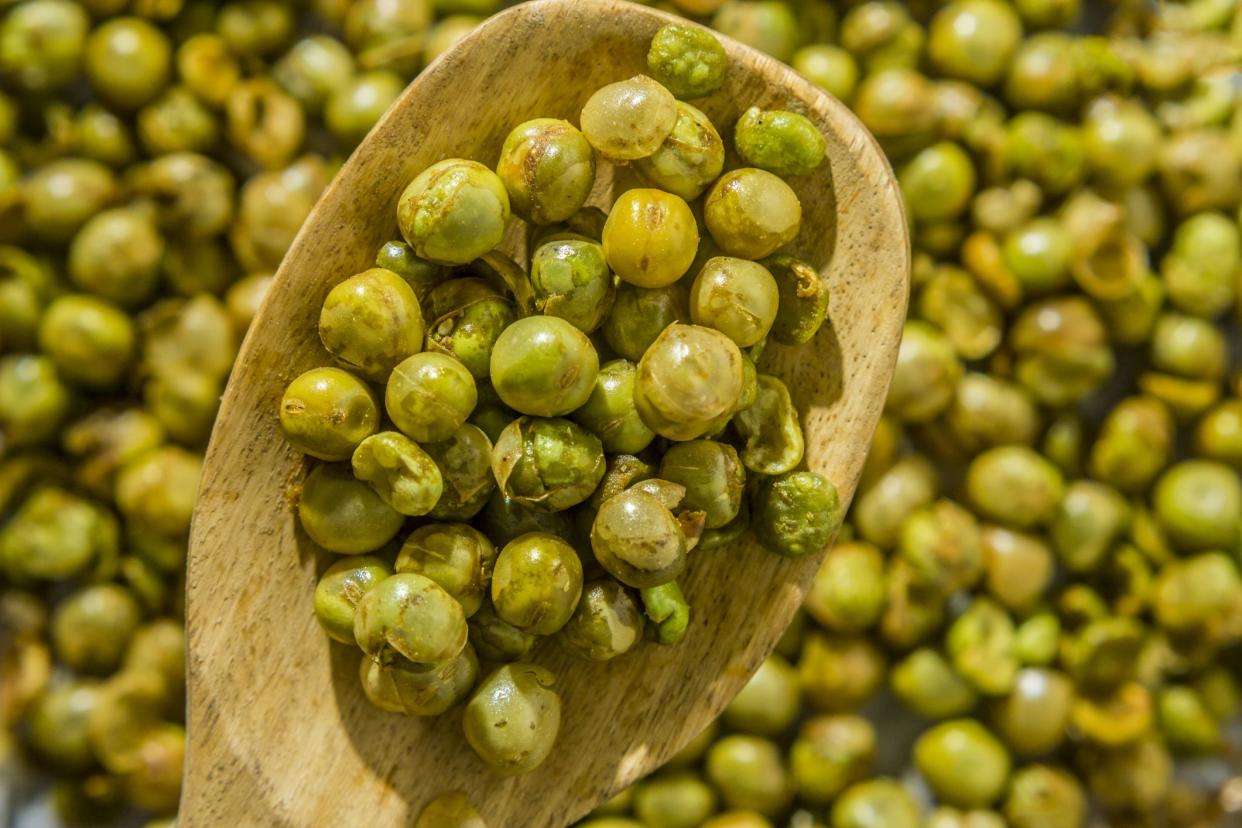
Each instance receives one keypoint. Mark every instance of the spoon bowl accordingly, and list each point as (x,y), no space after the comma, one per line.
(280,731)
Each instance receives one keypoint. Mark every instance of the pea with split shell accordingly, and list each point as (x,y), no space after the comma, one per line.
(537,583)
(339,590)
(464,460)
(690,158)
(399,471)
(687,60)
(513,718)
(781,142)
(453,212)
(650,238)
(770,428)
(689,379)
(752,213)
(547,168)
(629,119)
(571,280)
(412,616)
(497,640)
(456,556)
(327,412)
(543,366)
(667,608)
(802,303)
(737,297)
(712,475)
(401,686)
(796,513)
(370,322)
(343,514)
(609,412)
(548,464)
(639,315)
(606,623)
(504,519)
(638,540)
(429,396)
(465,318)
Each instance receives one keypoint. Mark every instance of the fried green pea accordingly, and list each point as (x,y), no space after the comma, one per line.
(768,703)
(750,773)
(974,40)
(57,725)
(1043,796)
(513,718)
(829,754)
(802,299)
(339,590)
(712,475)
(1199,504)
(927,684)
(92,627)
(785,143)
(401,686)
(875,803)
(41,44)
(751,213)
(797,513)
(537,583)
(736,297)
(464,460)
(117,255)
(650,238)
(688,380)
(456,556)
(963,762)
(667,608)
(411,616)
(1088,521)
(92,342)
(399,471)
(688,60)
(55,535)
(429,396)
(610,414)
(399,257)
(638,540)
(981,645)
(770,428)
(690,158)
(465,317)
(157,492)
(549,464)
(343,514)
(543,366)
(848,592)
(371,322)
(629,119)
(453,212)
(1014,485)
(1032,719)
(496,639)
(327,412)
(639,315)
(571,280)
(547,168)
(127,61)
(606,623)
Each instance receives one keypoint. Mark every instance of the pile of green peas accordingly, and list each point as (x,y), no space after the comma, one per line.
(156,159)
(588,484)
(1038,126)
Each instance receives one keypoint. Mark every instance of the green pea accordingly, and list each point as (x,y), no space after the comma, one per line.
(606,623)
(1199,504)
(513,718)
(453,212)
(344,515)
(371,322)
(411,616)
(543,366)
(927,684)
(785,143)
(750,774)
(537,583)
(797,513)
(464,460)
(401,686)
(803,299)
(547,168)
(688,60)
(399,471)
(339,590)
(963,762)
(875,803)
(768,704)
(981,644)
(327,412)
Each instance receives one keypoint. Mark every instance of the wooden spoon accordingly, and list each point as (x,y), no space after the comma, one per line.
(280,733)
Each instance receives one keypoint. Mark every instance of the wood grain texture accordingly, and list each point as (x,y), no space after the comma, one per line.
(281,734)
